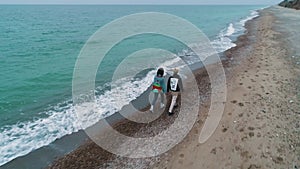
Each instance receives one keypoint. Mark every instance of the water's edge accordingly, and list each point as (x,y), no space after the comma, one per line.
(44,156)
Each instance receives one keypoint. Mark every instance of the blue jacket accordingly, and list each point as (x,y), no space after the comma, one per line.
(159,82)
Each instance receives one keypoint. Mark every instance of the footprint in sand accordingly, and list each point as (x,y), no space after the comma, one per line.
(237,148)
(241,104)
(258,118)
(214,151)
(251,128)
(253,166)
(251,134)
(244,138)
(224,130)
(233,101)
(245,154)
(278,160)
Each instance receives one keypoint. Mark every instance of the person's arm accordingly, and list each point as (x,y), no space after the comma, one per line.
(152,83)
(180,84)
(168,85)
(163,85)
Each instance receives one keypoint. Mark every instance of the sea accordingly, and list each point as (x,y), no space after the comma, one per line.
(39,46)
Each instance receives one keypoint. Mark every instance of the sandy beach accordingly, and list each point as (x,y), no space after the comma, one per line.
(260,127)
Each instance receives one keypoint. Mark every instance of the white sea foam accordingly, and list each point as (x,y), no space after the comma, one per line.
(253,15)
(22,138)
(230,30)
(224,40)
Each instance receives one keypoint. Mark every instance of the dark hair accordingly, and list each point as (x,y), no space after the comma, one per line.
(160,72)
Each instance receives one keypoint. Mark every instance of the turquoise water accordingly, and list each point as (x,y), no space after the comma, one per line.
(38,50)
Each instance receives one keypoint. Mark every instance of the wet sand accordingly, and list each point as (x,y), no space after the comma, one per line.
(260,124)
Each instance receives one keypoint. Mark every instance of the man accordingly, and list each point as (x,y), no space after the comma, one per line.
(174,86)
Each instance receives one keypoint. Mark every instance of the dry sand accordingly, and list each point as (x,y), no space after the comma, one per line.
(260,125)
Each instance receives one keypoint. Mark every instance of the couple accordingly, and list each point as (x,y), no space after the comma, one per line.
(174,86)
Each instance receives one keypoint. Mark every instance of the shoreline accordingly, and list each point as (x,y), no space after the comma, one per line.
(126,127)
(129,128)
(36,131)
(59,149)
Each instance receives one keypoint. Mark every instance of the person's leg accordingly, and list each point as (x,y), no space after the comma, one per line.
(153,101)
(154,98)
(162,105)
(173,102)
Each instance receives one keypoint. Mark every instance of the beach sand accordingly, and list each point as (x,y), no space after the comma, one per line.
(260,127)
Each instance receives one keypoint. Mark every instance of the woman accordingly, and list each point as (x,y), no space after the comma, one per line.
(158,87)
